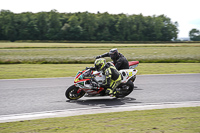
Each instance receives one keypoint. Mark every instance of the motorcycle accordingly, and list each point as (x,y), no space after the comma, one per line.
(83,83)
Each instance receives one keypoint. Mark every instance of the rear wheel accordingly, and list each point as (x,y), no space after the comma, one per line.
(125,89)
(71,93)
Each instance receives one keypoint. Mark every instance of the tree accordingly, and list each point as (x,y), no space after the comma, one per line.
(2,32)
(140,27)
(7,25)
(26,27)
(42,25)
(89,24)
(156,32)
(122,28)
(105,22)
(194,35)
(72,30)
(75,29)
(169,30)
(33,30)
(54,25)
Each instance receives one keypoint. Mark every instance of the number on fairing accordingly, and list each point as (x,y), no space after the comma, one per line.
(130,74)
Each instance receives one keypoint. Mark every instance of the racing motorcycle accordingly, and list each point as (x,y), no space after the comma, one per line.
(84,80)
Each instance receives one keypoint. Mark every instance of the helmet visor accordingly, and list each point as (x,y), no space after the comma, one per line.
(112,55)
(98,67)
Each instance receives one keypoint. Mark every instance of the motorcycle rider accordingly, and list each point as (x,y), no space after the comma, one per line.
(113,76)
(119,60)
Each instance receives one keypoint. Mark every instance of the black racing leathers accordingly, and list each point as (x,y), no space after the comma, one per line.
(120,63)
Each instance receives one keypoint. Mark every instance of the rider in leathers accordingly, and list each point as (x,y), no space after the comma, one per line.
(119,60)
(113,76)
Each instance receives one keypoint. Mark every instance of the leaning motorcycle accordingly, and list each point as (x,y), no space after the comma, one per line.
(83,83)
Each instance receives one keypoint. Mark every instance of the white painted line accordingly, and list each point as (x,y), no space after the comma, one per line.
(95,110)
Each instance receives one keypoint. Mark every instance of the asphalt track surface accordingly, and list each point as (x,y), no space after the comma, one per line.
(29,96)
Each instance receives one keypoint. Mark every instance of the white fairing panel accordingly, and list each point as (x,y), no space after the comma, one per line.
(99,76)
(127,74)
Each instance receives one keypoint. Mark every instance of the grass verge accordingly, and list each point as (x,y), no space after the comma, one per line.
(17,71)
(58,53)
(174,120)
(10,45)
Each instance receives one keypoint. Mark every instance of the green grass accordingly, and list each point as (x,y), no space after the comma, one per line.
(176,120)
(87,55)
(17,71)
(56,53)
(91,45)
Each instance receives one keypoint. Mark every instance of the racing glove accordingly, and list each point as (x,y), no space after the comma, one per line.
(99,56)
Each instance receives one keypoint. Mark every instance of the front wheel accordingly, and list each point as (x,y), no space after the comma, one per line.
(71,93)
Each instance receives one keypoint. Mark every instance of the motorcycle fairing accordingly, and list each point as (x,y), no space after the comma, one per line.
(127,74)
(83,80)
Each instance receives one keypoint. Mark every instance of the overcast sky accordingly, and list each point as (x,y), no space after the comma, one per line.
(185,12)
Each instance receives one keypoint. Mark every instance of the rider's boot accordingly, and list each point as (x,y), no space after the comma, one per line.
(111,93)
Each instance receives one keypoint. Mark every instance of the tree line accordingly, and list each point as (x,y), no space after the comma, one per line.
(85,26)
(194,35)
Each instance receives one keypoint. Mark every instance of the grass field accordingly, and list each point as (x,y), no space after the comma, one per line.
(177,120)
(52,53)
(91,45)
(17,71)
(58,59)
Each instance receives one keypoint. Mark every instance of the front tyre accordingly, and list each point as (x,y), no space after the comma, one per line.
(71,93)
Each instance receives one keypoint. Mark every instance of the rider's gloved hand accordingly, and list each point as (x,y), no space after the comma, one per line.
(99,56)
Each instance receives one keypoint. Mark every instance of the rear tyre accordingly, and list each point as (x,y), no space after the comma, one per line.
(71,93)
(129,89)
